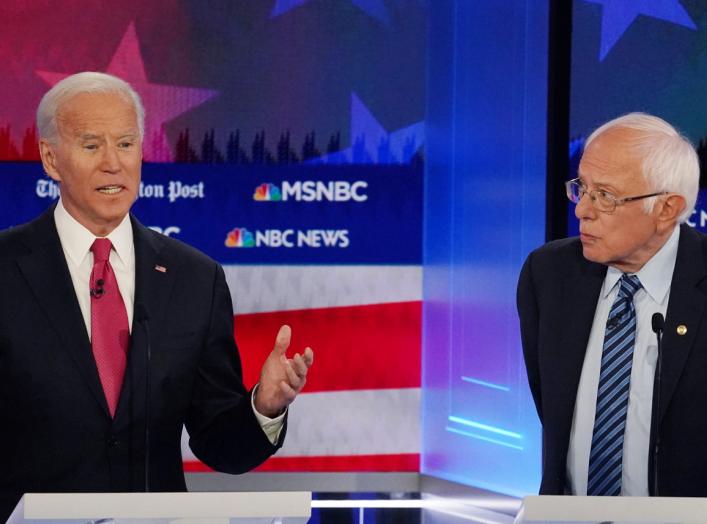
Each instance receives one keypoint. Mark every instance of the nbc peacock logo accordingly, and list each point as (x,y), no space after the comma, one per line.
(239,237)
(267,193)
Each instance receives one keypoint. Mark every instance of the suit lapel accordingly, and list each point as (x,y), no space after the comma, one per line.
(575,317)
(48,276)
(154,274)
(154,277)
(688,298)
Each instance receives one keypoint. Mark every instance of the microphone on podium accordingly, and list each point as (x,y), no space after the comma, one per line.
(142,317)
(658,326)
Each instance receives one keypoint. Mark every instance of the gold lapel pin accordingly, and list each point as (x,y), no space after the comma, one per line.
(682,329)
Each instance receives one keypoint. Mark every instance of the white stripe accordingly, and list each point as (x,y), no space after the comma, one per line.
(256,289)
(365,422)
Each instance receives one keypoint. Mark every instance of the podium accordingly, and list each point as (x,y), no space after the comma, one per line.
(181,508)
(618,510)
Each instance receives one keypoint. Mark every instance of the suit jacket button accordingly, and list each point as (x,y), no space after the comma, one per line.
(112,442)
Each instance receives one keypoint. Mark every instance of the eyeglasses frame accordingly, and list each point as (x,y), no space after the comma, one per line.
(592,193)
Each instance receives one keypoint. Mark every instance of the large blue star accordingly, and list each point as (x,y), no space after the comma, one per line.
(374,8)
(618,15)
(372,144)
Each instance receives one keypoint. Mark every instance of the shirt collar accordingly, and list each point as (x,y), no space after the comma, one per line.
(77,240)
(653,273)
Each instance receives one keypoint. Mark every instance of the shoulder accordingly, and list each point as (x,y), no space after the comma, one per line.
(173,250)
(690,235)
(692,253)
(18,240)
(11,243)
(559,255)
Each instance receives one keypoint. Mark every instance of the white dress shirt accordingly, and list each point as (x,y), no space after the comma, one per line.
(655,277)
(76,242)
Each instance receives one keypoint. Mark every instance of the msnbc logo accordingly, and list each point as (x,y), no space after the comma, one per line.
(239,237)
(267,193)
(312,191)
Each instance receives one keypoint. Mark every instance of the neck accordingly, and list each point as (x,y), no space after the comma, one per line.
(641,258)
(98,229)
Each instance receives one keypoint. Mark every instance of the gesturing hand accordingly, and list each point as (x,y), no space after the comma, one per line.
(281,379)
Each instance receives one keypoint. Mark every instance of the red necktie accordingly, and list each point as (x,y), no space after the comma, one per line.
(110,333)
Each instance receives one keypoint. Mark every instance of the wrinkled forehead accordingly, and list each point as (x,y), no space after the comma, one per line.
(612,153)
(103,112)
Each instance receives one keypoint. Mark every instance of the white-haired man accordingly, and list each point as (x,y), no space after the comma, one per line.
(617,420)
(91,299)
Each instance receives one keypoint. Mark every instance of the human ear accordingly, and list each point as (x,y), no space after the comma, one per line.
(671,208)
(48,155)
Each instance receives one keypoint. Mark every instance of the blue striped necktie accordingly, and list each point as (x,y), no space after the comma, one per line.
(606,454)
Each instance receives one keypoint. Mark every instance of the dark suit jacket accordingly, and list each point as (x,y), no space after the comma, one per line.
(557,295)
(55,431)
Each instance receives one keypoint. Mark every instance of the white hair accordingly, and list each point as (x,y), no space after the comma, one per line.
(670,162)
(86,82)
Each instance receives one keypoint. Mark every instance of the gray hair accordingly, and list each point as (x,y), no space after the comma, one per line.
(86,82)
(670,162)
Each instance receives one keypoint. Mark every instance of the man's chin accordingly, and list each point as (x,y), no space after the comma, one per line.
(116,205)
(591,254)
(106,220)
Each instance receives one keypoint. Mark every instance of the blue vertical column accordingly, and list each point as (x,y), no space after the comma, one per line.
(484,211)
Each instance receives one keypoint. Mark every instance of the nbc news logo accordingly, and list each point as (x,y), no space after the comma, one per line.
(239,237)
(288,238)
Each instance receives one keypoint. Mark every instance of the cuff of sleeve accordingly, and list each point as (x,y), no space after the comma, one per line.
(272,427)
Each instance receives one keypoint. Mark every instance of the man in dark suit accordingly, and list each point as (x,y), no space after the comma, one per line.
(616,418)
(108,329)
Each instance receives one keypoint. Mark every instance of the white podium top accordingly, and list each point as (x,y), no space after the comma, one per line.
(211,508)
(617,510)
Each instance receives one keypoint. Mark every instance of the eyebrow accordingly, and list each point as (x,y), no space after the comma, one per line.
(606,186)
(91,136)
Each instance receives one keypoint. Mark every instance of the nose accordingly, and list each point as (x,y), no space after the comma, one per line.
(585,209)
(110,162)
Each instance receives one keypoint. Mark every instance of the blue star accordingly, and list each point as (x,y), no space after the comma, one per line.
(282,6)
(618,15)
(372,144)
(373,8)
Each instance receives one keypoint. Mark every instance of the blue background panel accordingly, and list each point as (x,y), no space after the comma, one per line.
(484,211)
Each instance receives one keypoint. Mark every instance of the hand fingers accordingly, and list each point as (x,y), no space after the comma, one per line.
(299,365)
(308,356)
(282,341)
(294,380)
(287,392)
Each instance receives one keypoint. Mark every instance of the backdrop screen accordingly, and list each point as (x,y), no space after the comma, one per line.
(285,139)
(646,55)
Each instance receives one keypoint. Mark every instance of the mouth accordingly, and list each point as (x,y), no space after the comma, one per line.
(584,237)
(110,190)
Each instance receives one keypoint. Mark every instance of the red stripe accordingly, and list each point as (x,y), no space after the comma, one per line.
(355,347)
(409,462)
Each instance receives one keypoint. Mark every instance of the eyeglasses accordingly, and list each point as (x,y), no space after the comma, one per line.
(601,200)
